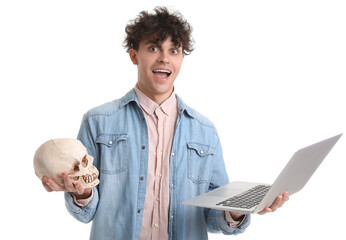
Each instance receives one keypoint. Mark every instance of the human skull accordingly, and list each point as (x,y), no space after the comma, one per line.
(69,155)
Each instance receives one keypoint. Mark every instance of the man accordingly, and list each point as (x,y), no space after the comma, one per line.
(152,150)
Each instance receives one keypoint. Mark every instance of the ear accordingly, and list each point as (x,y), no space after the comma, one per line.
(133,56)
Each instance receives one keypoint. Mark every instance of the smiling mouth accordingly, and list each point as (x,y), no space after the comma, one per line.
(162,73)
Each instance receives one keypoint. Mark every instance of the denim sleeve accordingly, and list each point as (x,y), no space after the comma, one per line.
(216,223)
(85,214)
(215,219)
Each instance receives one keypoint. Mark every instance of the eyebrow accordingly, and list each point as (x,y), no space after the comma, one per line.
(158,44)
(150,42)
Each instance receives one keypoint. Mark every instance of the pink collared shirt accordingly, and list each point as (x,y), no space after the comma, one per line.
(161,121)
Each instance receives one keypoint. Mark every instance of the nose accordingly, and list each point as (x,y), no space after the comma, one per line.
(163,57)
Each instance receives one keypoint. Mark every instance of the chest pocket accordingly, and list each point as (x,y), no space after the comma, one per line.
(113,152)
(199,157)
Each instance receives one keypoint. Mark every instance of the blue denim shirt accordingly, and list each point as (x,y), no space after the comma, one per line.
(116,135)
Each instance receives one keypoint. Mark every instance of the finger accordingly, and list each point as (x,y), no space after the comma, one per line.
(68,183)
(79,188)
(282,202)
(46,186)
(276,204)
(264,211)
(53,185)
(286,196)
(279,203)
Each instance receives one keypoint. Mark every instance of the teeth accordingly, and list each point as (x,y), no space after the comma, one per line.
(88,178)
(162,70)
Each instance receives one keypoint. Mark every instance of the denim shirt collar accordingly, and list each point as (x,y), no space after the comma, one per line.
(182,107)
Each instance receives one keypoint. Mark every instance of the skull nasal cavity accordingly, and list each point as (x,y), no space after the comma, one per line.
(84,161)
(76,167)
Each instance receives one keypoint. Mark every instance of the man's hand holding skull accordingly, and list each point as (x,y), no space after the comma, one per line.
(64,165)
(75,188)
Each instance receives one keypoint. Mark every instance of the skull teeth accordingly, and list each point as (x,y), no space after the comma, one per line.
(89,178)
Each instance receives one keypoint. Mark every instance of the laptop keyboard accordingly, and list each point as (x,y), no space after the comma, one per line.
(248,199)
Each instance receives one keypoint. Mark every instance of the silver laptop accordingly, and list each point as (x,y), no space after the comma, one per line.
(248,197)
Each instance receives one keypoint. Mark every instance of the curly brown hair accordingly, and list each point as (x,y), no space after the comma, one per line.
(159,26)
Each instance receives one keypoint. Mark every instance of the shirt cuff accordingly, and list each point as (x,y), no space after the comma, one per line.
(231,222)
(83,202)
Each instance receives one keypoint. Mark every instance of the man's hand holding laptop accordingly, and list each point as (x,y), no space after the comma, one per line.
(278,203)
(239,197)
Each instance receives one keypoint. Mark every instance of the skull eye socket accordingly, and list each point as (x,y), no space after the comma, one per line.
(84,161)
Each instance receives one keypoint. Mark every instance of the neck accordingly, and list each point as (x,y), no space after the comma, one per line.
(157,98)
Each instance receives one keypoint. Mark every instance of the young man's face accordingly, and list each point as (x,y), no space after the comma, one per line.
(158,66)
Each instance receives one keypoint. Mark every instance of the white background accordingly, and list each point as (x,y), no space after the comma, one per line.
(269,74)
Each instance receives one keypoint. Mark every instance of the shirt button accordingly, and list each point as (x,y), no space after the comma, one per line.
(143,147)
(172,217)
(159,175)
(110,142)
(141,178)
(172,153)
(158,199)
(139,211)
(201,151)
(156,225)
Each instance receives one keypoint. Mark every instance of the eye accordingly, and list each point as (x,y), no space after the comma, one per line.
(153,49)
(175,51)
